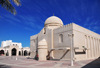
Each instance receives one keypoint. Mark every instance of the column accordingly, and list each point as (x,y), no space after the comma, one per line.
(22,51)
(89,46)
(5,51)
(93,48)
(96,47)
(86,44)
(9,52)
(42,50)
(17,53)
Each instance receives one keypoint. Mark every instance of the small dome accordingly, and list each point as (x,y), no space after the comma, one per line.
(53,20)
(42,42)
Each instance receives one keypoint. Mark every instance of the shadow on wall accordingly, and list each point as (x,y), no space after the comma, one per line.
(5,66)
(93,64)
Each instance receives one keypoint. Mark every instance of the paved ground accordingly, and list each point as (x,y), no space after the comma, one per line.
(23,62)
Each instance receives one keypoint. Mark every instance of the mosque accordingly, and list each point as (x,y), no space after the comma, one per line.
(61,42)
(9,48)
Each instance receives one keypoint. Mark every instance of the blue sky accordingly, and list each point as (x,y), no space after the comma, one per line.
(32,14)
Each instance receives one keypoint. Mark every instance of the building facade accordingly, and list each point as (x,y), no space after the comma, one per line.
(9,48)
(58,41)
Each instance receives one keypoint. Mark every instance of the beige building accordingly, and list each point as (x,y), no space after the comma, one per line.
(9,48)
(58,41)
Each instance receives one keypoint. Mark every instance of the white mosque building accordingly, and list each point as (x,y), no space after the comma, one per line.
(58,41)
(9,48)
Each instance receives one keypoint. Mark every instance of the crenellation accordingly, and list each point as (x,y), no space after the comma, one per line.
(84,30)
(64,28)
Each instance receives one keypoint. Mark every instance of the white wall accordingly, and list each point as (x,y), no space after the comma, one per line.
(65,30)
(9,43)
(33,45)
(6,43)
(87,38)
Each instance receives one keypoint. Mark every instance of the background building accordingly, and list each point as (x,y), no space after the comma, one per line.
(9,48)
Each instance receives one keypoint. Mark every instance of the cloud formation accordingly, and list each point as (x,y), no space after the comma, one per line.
(27,22)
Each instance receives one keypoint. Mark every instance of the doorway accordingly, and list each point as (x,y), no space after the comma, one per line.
(25,53)
(1,52)
(14,52)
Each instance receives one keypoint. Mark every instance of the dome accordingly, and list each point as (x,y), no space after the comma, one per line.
(42,42)
(54,21)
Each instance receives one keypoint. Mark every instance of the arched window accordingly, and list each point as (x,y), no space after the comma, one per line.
(60,38)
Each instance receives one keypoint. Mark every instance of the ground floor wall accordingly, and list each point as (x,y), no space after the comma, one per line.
(32,54)
(89,46)
(61,54)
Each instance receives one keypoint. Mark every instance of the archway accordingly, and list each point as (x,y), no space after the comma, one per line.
(14,52)
(19,53)
(2,52)
(25,53)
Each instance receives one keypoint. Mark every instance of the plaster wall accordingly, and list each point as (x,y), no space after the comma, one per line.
(87,38)
(65,30)
(46,36)
(33,45)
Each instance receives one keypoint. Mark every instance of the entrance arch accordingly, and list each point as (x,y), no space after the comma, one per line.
(25,53)
(19,53)
(14,52)
(2,52)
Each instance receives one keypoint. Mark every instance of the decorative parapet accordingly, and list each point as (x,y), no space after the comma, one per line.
(84,30)
(64,28)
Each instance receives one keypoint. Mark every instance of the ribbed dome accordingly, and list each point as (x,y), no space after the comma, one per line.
(53,20)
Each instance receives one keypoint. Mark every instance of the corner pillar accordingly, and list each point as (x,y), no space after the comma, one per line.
(42,50)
